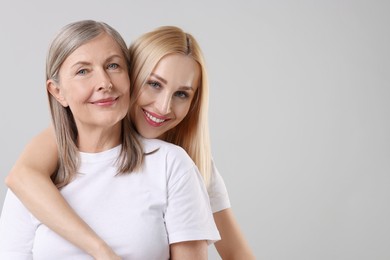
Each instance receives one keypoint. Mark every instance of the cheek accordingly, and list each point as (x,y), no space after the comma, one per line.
(124,88)
(78,94)
(74,100)
(144,99)
(126,98)
(181,111)
(145,96)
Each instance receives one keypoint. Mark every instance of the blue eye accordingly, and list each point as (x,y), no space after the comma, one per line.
(181,94)
(113,66)
(154,84)
(81,72)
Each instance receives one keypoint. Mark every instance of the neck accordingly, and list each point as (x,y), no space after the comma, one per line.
(94,139)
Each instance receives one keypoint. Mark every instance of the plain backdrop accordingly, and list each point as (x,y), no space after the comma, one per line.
(299,109)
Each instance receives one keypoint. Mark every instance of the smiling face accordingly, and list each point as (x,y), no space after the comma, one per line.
(166,98)
(94,83)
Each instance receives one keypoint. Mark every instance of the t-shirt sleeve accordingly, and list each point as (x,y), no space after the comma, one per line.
(188,214)
(16,230)
(219,197)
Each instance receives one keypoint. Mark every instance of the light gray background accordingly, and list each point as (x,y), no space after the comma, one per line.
(299,109)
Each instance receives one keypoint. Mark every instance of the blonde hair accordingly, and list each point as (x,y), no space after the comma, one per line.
(192,133)
(65,43)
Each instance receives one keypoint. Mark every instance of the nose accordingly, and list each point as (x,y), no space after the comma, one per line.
(164,104)
(104,82)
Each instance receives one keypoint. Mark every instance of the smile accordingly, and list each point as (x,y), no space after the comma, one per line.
(154,119)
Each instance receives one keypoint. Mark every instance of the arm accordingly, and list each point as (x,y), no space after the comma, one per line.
(190,250)
(232,244)
(30,180)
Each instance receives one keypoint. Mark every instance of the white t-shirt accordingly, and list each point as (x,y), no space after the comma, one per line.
(137,214)
(219,198)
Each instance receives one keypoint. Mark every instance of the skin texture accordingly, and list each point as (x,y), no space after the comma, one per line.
(167,95)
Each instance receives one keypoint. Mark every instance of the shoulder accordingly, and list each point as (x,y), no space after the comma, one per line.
(151,145)
(168,160)
(164,149)
(168,156)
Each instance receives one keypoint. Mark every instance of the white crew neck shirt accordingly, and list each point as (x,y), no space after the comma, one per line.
(137,214)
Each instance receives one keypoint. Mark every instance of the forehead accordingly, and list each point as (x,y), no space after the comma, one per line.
(99,47)
(178,69)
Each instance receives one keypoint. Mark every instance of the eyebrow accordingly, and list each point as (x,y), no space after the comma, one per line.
(83,63)
(86,63)
(159,78)
(165,82)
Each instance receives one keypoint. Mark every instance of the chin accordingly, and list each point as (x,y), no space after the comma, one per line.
(148,135)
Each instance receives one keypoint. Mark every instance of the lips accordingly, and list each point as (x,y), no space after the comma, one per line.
(154,119)
(105,101)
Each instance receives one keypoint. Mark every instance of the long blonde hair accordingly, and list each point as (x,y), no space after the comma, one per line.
(65,43)
(192,133)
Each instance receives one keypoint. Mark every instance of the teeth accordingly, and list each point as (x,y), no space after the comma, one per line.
(154,119)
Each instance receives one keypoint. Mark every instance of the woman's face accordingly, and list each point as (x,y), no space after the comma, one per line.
(94,83)
(166,98)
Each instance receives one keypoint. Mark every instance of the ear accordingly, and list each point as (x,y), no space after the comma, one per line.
(56,92)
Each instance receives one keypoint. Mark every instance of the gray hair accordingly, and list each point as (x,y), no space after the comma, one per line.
(71,37)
